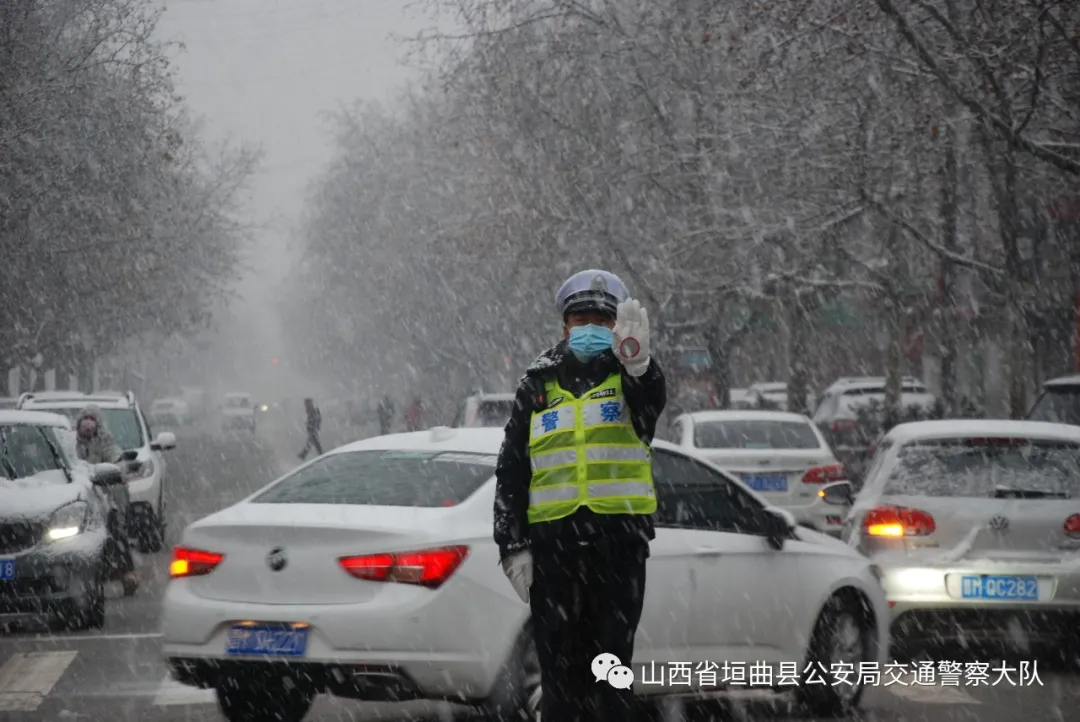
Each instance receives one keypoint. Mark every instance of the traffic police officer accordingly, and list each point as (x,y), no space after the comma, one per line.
(574,494)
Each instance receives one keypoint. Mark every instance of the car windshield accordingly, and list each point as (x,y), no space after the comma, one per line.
(123,424)
(1059,405)
(67,442)
(238,402)
(385,478)
(28,451)
(974,467)
(754,434)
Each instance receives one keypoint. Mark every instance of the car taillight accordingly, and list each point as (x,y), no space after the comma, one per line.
(825,474)
(841,425)
(426,568)
(898,521)
(193,562)
(1072,526)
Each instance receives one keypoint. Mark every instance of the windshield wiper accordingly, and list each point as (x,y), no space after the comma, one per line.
(1005,493)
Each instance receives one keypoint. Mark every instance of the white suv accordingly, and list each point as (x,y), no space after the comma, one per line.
(145,474)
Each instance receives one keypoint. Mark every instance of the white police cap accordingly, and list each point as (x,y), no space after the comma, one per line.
(591,290)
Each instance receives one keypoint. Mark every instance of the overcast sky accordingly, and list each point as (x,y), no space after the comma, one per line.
(265,72)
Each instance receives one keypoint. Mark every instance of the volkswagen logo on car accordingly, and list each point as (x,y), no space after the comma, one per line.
(999,525)
(276,559)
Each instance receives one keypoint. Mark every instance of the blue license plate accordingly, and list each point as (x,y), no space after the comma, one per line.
(995,587)
(7,570)
(766,482)
(272,640)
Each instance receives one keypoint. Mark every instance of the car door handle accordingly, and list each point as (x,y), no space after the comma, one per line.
(709,551)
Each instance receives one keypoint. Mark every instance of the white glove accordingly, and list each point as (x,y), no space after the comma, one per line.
(519,570)
(630,337)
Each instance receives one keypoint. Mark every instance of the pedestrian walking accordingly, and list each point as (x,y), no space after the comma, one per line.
(314,426)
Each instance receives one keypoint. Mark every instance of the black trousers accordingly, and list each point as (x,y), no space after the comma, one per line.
(586,601)
(312,443)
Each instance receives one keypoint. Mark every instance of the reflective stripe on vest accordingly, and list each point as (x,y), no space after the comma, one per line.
(585,452)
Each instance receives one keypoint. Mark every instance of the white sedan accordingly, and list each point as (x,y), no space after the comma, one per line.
(371,573)
(780,455)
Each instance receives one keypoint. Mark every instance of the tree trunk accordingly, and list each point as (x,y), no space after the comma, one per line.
(897,327)
(798,373)
(947,326)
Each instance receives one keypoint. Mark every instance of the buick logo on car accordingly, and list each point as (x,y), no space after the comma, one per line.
(999,524)
(276,559)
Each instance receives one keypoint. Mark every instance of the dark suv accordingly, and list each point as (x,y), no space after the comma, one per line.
(1059,401)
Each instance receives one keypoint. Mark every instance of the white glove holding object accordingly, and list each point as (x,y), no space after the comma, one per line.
(519,570)
(630,337)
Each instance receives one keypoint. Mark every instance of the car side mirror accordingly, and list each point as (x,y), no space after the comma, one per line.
(130,455)
(106,475)
(779,525)
(164,441)
(838,493)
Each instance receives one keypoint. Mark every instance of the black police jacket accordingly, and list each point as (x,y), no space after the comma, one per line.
(646,397)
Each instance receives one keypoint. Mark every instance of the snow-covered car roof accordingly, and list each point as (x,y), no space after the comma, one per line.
(237,395)
(870,382)
(746,415)
(1072,380)
(973,428)
(78,402)
(770,387)
(33,418)
(468,440)
(482,396)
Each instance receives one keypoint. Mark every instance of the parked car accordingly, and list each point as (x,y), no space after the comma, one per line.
(485,410)
(398,593)
(145,472)
(1059,401)
(170,412)
(238,412)
(976,526)
(851,434)
(772,395)
(55,545)
(781,456)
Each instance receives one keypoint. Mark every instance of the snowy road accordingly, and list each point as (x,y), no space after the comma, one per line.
(117,674)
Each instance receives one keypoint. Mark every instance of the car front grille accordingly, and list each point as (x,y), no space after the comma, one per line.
(19,536)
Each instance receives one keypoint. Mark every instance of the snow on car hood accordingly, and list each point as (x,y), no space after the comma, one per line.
(37,496)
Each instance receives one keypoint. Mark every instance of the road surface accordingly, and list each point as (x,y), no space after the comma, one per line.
(117,674)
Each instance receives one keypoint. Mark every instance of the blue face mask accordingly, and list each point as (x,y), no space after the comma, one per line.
(589,341)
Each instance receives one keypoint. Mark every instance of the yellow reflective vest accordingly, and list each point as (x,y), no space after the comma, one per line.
(585,452)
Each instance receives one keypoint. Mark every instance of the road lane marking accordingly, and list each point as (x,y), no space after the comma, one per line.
(26,679)
(172,692)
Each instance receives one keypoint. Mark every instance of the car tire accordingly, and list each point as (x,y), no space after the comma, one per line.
(841,636)
(264,698)
(89,612)
(150,536)
(517,692)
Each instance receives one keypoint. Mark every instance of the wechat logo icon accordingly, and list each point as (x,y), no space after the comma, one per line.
(608,668)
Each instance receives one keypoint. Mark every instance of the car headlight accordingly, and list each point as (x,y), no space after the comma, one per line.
(68,521)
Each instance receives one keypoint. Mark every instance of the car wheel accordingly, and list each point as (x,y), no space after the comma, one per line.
(517,693)
(88,611)
(150,536)
(841,637)
(264,698)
